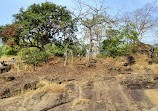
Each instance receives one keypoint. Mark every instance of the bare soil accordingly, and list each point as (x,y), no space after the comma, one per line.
(108,84)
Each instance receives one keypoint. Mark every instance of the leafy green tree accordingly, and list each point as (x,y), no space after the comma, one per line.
(119,41)
(40,23)
(129,33)
(156,49)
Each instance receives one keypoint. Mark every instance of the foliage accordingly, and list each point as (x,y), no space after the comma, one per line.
(34,56)
(9,34)
(82,50)
(1,51)
(10,39)
(11,50)
(119,42)
(111,47)
(156,49)
(77,47)
(57,50)
(40,23)
(1,30)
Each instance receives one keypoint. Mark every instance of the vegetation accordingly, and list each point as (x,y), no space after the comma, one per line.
(120,42)
(33,56)
(47,29)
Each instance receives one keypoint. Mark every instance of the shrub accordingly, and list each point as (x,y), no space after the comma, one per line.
(34,56)
(116,47)
(56,50)
(1,51)
(11,50)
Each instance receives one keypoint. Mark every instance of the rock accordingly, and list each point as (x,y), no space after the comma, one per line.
(145,49)
(7,78)
(86,90)
(130,60)
(30,85)
(154,108)
(37,102)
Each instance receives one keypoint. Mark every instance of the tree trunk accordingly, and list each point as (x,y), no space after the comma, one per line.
(99,47)
(72,57)
(65,63)
(90,45)
(95,50)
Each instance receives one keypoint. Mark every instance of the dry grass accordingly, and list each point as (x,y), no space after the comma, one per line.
(19,65)
(48,86)
(80,101)
(44,87)
(141,59)
(142,63)
(9,58)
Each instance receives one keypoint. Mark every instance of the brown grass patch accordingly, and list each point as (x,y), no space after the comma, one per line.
(51,87)
(45,87)
(142,63)
(80,101)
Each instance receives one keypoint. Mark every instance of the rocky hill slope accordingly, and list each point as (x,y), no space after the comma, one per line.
(106,85)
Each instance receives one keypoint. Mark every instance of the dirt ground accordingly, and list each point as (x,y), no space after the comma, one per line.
(112,85)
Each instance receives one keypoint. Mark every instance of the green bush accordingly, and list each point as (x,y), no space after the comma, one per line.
(115,47)
(127,49)
(1,50)
(56,50)
(12,50)
(120,41)
(34,56)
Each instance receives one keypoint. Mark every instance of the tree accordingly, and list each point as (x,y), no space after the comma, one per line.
(99,34)
(9,34)
(144,18)
(119,41)
(89,16)
(1,29)
(10,38)
(68,30)
(40,23)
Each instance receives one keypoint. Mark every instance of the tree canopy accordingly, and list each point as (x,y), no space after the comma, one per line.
(40,23)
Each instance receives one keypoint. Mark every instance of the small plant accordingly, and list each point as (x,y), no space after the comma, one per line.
(34,56)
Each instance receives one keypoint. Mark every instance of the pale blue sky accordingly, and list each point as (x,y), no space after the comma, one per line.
(10,7)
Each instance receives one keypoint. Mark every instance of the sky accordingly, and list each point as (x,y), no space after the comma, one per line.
(11,7)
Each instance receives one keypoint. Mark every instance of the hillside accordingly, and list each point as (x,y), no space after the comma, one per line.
(79,56)
(106,84)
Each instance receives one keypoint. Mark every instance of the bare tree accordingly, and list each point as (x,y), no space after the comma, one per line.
(144,18)
(99,33)
(69,36)
(90,16)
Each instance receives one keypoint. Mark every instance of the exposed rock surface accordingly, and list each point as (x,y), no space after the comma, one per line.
(104,93)
(105,85)
(154,108)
